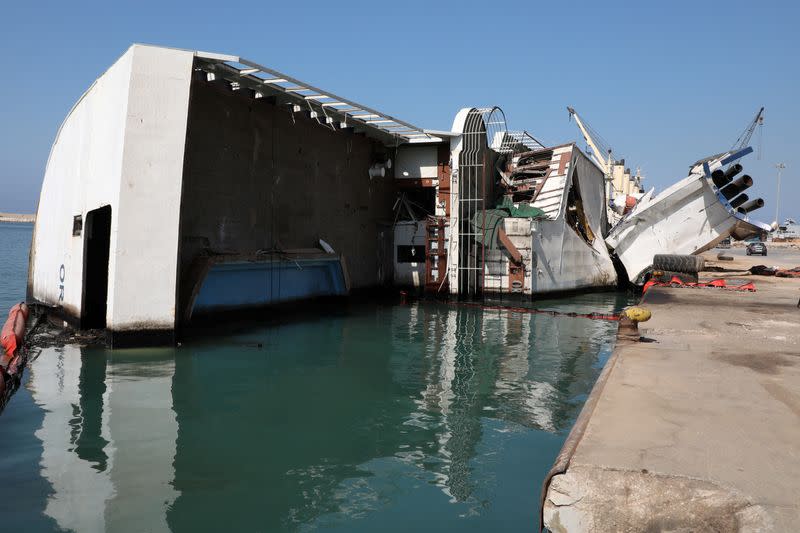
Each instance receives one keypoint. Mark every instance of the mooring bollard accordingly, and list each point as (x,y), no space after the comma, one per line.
(629,322)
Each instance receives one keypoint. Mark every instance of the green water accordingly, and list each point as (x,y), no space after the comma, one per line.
(15,240)
(364,417)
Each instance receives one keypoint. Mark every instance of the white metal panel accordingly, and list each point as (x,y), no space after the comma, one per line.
(121,145)
(563,259)
(551,196)
(83,173)
(146,252)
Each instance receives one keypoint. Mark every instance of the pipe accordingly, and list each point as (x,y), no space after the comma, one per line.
(516,256)
(719,178)
(739,200)
(752,205)
(731,172)
(736,186)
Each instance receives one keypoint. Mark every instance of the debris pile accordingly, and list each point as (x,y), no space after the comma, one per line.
(525,173)
(763,270)
(713,284)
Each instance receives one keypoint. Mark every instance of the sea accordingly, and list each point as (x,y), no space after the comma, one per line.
(366,416)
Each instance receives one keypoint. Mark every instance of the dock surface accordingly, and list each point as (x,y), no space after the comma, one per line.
(698,428)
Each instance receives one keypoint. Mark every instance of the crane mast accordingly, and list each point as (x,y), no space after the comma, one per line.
(744,139)
(604,163)
(620,187)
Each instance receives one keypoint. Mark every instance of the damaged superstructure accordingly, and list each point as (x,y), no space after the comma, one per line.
(507,215)
(689,217)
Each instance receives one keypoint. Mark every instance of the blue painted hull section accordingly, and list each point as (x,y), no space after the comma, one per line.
(245,284)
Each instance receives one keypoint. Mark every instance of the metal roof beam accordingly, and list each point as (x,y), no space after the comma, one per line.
(346,112)
(278,74)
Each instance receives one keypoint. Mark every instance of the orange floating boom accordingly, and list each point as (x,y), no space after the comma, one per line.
(13,331)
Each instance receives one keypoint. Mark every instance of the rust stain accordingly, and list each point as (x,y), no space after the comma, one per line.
(443,172)
(562,165)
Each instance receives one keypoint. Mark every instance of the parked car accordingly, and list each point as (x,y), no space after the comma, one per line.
(756,248)
(724,243)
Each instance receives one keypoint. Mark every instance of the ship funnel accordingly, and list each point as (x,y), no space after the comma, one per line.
(731,172)
(739,200)
(719,178)
(752,205)
(736,186)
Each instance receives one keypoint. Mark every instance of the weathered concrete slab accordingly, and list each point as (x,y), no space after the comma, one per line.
(698,430)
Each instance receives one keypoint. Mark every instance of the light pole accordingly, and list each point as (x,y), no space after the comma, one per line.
(780,167)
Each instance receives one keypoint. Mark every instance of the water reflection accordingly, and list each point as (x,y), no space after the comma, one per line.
(87,417)
(530,370)
(108,437)
(361,420)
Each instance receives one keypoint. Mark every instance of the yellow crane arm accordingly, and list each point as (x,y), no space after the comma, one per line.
(600,158)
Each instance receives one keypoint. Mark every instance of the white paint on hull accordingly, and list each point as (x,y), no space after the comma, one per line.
(121,146)
(689,217)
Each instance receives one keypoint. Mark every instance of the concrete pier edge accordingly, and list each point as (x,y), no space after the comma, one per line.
(698,429)
(579,428)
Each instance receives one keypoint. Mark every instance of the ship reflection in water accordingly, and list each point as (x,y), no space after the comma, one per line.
(364,418)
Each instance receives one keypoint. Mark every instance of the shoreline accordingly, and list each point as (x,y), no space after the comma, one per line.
(18,218)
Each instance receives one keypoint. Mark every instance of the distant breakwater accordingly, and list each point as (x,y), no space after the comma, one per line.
(19,218)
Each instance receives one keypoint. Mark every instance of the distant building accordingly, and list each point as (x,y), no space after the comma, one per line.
(788,231)
(623,182)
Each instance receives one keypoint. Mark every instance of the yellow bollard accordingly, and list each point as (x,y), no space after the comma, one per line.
(629,323)
(638,314)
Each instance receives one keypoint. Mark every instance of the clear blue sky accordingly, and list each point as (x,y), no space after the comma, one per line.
(666,84)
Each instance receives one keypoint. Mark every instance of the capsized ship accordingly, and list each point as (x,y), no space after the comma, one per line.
(689,217)
(184,184)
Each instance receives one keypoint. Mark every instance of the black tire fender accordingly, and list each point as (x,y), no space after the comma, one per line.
(679,263)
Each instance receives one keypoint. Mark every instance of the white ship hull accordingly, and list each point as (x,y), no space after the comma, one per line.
(689,217)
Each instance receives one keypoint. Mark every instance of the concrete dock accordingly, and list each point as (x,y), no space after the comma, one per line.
(698,427)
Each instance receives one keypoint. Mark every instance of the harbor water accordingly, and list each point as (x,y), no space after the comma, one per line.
(363,416)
